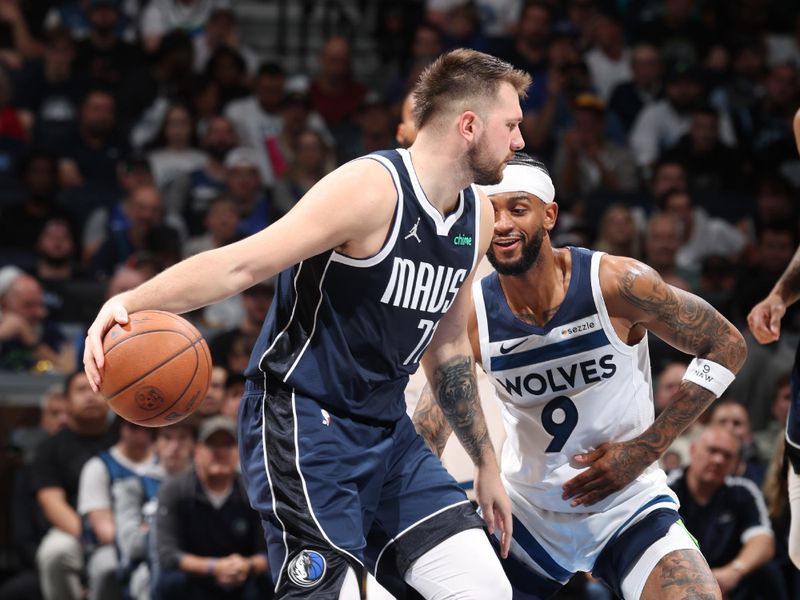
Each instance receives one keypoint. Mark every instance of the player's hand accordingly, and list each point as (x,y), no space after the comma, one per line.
(612,466)
(764,319)
(112,312)
(495,504)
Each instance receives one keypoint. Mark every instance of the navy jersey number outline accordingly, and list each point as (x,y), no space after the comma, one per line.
(560,431)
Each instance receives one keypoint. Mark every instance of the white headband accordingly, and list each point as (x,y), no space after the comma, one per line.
(524,178)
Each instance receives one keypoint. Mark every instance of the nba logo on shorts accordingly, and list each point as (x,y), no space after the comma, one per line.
(307,568)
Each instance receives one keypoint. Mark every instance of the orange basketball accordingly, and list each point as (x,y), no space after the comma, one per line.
(157,368)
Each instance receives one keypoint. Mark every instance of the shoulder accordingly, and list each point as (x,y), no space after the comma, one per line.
(617,271)
(176,487)
(744,490)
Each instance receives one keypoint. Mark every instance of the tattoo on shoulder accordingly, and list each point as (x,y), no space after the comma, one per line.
(457,391)
(694,324)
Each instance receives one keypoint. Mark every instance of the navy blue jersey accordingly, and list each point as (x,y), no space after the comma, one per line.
(348,332)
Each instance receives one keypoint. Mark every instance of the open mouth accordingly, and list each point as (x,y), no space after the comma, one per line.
(506,243)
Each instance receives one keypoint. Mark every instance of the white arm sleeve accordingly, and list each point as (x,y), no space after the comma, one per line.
(94,489)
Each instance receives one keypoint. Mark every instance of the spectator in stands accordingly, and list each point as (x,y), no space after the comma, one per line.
(77,17)
(732,415)
(406,129)
(226,557)
(26,520)
(27,339)
(162,16)
(104,56)
(234,388)
(174,153)
(24,45)
(703,235)
(55,253)
(222,31)
(221,226)
(667,383)
(130,229)
(136,504)
(772,431)
(586,161)
(227,69)
(662,241)
(660,125)
(50,90)
(678,32)
(644,88)
(726,514)
(257,118)
(21,224)
(375,128)
(257,301)
(12,122)
(150,89)
(461,28)
(313,160)
(334,93)
(426,45)
(90,160)
(774,203)
(532,40)
(100,480)
(711,165)
(243,184)
(775,246)
(618,234)
(771,139)
(609,60)
(212,403)
(192,193)
(56,476)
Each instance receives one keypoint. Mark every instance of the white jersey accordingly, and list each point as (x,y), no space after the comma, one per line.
(565,388)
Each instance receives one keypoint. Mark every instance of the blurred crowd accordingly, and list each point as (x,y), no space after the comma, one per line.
(134,133)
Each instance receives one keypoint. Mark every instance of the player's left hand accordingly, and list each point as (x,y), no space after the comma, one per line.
(612,466)
(495,505)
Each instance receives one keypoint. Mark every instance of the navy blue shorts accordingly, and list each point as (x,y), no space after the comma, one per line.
(334,492)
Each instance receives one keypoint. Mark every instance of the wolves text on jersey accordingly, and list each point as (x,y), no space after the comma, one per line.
(561,378)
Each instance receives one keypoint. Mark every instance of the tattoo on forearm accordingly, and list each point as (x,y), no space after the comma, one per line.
(457,391)
(430,422)
(694,326)
(685,572)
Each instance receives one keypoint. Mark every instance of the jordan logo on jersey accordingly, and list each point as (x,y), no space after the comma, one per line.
(421,286)
(413,232)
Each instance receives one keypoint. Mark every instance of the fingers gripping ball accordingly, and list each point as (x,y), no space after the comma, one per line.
(157,368)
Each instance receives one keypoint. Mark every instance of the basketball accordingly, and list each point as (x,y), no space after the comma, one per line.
(157,368)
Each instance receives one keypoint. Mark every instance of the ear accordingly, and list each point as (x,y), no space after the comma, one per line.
(550,216)
(469,125)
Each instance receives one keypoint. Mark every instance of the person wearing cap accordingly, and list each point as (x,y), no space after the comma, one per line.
(243,183)
(209,541)
(562,332)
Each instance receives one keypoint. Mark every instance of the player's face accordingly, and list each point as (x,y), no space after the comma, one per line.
(495,146)
(518,232)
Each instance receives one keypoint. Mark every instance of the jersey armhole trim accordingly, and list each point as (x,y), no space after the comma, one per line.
(477,200)
(388,245)
(602,310)
(483,324)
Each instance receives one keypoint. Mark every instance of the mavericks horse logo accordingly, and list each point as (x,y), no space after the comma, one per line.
(307,568)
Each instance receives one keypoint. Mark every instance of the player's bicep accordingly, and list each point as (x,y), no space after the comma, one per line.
(348,204)
(680,318)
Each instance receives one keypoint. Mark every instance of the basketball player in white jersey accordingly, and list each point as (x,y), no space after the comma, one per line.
(562,333)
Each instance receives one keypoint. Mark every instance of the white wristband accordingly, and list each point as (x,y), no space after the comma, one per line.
(710,375)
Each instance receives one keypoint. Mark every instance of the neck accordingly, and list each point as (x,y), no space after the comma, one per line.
(88,426)
(441,169)
(216,484)
(535,296)
(51,270)
(134,454)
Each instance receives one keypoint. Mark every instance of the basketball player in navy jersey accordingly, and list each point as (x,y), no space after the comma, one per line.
(764,321)
(375,268)
(562,334)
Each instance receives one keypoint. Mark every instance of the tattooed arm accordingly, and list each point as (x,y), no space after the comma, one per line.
(639,300)
(764,319)
(430,422)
